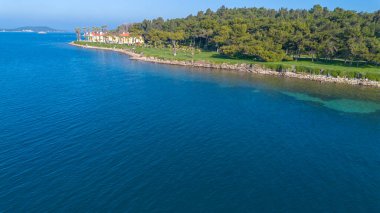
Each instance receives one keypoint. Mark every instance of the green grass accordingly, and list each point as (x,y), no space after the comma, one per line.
(332,68)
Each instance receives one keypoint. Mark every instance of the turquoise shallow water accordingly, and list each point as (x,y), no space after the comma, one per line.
(340,105)
(88,130)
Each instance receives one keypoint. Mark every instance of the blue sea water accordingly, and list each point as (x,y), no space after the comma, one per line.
(90,130)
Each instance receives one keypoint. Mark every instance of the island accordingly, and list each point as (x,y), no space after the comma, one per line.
(30,29)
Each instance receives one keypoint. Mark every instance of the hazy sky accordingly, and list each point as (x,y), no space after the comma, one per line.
(66,14)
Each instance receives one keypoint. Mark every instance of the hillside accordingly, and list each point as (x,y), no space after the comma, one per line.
(271,35)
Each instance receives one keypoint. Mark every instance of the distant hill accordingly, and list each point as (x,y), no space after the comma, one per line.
(32,29)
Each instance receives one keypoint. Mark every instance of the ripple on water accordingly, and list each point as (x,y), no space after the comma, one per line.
(342,105)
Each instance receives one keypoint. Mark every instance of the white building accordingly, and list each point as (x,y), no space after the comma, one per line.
(123,38)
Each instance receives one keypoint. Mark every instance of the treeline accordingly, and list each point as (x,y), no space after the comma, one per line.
(272,35)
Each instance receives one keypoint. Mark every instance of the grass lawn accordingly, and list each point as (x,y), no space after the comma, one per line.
(334,68)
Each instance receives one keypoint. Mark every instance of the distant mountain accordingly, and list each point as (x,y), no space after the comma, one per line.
(32,29)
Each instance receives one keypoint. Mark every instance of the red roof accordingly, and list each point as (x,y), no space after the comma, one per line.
(95,34)
(125,34)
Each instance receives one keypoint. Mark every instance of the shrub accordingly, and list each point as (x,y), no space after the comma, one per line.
(285,67)
(373,76)
(349,74)
(287,58)
(334,73)
(359,75)
(278,67)
(271,66)
(312,70)
(302,69)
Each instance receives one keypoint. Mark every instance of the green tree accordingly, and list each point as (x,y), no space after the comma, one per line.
(156,37)
(78,33)
(267,34)
(174,37)
(222,36)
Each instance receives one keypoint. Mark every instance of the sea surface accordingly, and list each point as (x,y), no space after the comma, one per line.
(91,131)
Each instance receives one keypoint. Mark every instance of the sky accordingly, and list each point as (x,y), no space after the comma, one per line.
(67,14)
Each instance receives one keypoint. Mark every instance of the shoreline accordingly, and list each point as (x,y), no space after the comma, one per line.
(256,69)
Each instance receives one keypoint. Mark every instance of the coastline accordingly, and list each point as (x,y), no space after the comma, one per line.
(256,69)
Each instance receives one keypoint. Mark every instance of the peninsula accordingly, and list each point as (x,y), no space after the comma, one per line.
(318,44)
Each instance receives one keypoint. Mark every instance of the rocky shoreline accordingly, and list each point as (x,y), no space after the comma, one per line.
(242,68)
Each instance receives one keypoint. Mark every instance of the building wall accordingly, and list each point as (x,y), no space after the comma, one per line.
(114,39)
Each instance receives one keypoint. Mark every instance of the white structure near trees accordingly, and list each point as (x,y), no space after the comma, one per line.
(112,38)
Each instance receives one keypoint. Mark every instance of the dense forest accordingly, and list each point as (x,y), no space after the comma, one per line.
(271,35)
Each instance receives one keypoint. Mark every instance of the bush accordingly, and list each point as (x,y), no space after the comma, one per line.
(373,76)
(285,67)
(310,70)
(271,66)
(278,67)
(315,71)
(348,74)
(334,73)
(359,75)
(288,58)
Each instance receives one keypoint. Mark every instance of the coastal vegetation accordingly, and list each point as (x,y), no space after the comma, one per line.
(320,41)
(273,35)
(332,68)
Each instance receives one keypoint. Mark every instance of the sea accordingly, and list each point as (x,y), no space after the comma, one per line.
(93,131)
